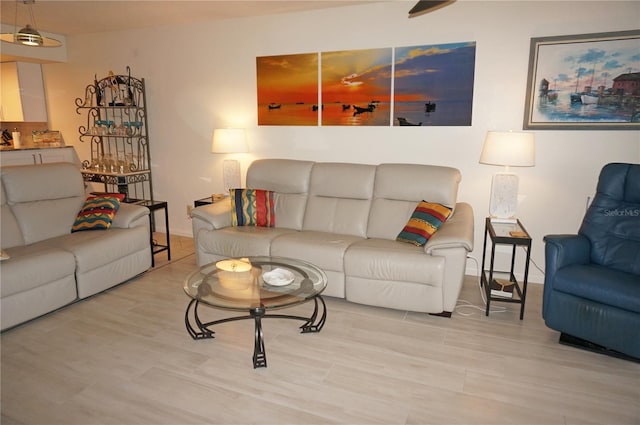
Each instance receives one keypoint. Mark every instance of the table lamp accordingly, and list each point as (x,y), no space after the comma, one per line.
(230,140)
(510,149)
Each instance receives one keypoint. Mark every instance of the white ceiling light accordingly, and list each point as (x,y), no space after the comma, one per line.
(29,35)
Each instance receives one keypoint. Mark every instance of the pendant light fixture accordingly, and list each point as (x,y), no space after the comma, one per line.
(29,35)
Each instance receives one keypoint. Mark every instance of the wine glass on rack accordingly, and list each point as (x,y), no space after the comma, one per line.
(131,166)
(96,127)
(137,125)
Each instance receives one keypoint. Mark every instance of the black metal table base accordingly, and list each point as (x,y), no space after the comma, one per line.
(202,330)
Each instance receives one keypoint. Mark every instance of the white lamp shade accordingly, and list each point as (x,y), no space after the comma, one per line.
(508,148)
(229,140)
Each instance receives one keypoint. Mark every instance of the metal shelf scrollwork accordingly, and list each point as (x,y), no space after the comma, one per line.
(116,128)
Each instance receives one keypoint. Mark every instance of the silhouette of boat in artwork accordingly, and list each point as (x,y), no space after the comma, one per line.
(360,109)
(404,122)
(430,107)
(275,105)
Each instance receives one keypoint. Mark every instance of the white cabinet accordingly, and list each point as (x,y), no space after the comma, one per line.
(22,92)
(39,156)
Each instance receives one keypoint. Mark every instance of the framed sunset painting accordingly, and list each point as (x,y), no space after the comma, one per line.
(434,84)
(287,89)
(356,87)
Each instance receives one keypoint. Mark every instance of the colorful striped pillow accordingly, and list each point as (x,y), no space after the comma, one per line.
(423,223)
(97,212)
(252,207)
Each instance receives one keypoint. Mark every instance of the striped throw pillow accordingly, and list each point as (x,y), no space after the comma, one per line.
(252,207)
(97,212)
(423,223)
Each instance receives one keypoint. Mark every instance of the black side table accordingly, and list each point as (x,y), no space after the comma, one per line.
(505,234)
(153,206)
(209,200)
(203,201)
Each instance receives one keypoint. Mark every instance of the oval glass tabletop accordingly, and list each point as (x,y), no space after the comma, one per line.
(254,282)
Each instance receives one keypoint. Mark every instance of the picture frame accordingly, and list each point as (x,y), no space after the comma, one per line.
(584,82)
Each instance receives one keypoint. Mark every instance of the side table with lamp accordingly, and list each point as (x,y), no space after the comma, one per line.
(517,149)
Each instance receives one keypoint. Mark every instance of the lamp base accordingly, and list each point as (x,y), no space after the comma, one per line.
(500,220)
(231,174)
(504,197)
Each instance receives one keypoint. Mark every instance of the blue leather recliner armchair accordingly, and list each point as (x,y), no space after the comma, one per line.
(592,281)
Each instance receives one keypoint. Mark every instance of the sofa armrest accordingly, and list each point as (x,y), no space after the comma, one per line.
(215,216)
(454,233)
(128,215)
(564,250)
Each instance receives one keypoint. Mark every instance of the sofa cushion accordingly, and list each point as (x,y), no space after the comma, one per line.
(97,212)
(252,207)
(399,187)
(423,223)
(33,266)
(393,274)
(10,234)
(289,179)
(414,182)
(94,249)
(44,198)
(600,284)
(325,250)
(239,241)
(387,260)
(339,198)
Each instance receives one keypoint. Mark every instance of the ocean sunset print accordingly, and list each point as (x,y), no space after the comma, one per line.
(356,87)
(287,89)
(433,84)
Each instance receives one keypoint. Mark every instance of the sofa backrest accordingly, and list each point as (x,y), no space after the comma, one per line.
(289,179)
(10,234)
(44,200)
(612,222)
(399,188)
(339,198)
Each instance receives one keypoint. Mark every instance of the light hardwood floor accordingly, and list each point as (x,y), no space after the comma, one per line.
(124,357)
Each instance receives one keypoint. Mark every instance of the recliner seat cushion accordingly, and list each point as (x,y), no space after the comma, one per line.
(240,241)
(600,284)
(99,247)
(32,266)
(382,259)
(325,250)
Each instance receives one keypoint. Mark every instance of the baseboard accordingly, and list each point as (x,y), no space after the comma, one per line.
(574,341)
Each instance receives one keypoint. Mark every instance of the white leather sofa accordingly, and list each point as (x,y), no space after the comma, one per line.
(345,218)
(48,266)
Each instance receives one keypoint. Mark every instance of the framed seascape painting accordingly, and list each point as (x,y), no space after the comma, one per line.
(288,89)
(584,82)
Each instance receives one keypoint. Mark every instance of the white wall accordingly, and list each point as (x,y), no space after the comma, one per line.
(193,87)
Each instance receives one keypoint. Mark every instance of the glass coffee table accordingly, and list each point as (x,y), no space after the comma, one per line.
(256,285)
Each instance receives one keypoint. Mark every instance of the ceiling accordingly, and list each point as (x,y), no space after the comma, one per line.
(91,16)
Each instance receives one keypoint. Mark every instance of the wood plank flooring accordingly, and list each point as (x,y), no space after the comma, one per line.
(124,357)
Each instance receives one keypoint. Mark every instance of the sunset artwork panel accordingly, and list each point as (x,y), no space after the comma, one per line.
(356,87)
(287,89)
(433,84)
